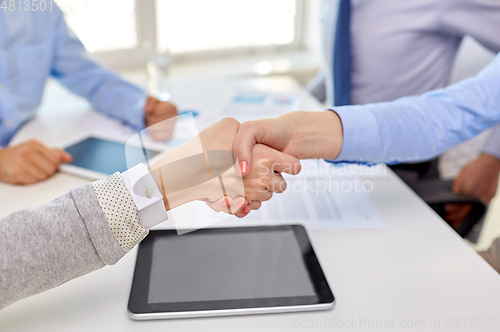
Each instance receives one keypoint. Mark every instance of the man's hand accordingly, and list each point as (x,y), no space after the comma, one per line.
(264,177)
(262,180)
(30,162)
(155,113)
(479,178)
(304,135)
(258,184)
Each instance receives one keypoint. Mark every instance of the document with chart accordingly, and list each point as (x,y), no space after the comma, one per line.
(322,196)
(306,202)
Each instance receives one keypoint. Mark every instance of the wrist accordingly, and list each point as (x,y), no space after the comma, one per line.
(165,183)
(3,167)
(314,134)
(181,179)
(489,160)
(332,133)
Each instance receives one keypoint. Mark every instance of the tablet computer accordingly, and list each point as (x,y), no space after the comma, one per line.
(96,158)
(227,271)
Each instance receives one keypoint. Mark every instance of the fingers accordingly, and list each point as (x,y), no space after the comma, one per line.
(456,188)
(31,170)
(51,156)
(284,163)
(254,205)
(266,131)
(66,157)
(263,195)
(151,103)
(157,110)
(162,131)
(41,162)
(39,168)
(227,204)
(164,108)
(160,119)
(456,213)
(30,162)
(278,184)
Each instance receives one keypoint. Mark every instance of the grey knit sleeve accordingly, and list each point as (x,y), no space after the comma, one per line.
(82,231)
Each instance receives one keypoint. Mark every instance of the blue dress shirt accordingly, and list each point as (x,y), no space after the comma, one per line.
(35,45)
(405,48)
(418,128)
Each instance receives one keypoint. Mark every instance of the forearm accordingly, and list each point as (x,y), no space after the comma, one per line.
(419,128)
(43,247)
(314,134)
(108,93)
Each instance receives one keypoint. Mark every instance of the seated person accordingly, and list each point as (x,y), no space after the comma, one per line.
(35,46)
(382,50)
(82,231)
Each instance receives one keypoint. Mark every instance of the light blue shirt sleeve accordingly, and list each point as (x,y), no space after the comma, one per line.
(421,127)
(74,68)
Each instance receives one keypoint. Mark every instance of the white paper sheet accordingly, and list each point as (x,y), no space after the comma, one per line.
(322,168)
(311,202)
(249,105)
(316,210)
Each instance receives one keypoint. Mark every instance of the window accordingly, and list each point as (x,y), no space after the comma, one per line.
(117,29)
(102,25)
(196,25)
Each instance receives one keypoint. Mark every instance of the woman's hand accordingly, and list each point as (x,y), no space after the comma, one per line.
(205,172)
(264,177)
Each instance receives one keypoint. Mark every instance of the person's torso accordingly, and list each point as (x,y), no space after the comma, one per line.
(397,49)
(401,48)
(26,50)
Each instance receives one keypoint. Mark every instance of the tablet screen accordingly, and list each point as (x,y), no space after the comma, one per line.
(228,266)
(243,268)
(105,156)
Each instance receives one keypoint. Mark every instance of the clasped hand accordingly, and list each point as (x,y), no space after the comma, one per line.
(201,170)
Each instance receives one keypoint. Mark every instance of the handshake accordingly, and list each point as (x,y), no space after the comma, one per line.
(235,167)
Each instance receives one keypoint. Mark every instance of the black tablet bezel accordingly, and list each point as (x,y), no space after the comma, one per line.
(138,301)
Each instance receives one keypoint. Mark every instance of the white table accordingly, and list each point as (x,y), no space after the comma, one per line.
(413,275)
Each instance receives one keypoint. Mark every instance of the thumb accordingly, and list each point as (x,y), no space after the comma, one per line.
(270,132)
(66,157)
(457,185)
(284,163)
(279,161)
(150,105)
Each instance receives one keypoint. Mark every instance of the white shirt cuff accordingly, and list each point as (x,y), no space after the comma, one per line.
(149,200)
(492,145)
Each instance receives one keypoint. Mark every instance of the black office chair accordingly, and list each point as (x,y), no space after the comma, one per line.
(437,193)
